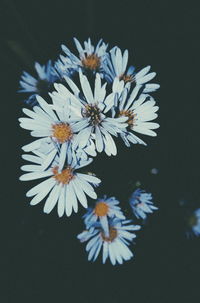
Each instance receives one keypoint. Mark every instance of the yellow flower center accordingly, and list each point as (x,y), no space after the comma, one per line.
(101,209)
(91,62)
(112,235)
(62,132)
(130,114)
(126,78)
(65,176)
(93,112)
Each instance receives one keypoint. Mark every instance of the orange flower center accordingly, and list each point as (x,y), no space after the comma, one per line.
(126,78)
(101,209)
(91,62)
(93,112)
(130,114)
(62,132)
(65,176)
(112,235)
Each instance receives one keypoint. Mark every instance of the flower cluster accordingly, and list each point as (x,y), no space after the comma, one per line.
(78,105)
(106,228)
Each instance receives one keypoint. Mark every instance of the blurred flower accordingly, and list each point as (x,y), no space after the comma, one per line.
(141,203)
(154,171)
(115,245)
(193,223)
(104,208)
(46,75)
(64,187)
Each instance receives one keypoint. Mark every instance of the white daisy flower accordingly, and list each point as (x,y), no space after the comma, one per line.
(104,208)
(193,223)
(139,110)
(46,75)
(89,57)
(115,246)
(55,125)
(91,109)
(64,186)
(116,66)
(141,203)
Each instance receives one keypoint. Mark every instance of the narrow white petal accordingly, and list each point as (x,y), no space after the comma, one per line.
(40,187)
(35,175)
(52,199)
(61,202)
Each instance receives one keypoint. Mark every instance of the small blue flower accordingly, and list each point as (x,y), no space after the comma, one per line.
(46,75)
(193,223)
(114,245)
(141,203)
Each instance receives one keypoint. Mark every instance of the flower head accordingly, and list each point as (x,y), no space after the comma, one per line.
(53,124)
(90,58)
(89,109)
(141,203)
(64,186)
(139,109)
(115,65)
(114,245)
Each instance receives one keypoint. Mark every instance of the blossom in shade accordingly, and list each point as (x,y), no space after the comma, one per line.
(90,58)
(103,209)
(46,75)
(115,65)
(91,109)
(193,223)
(64,186)
(139,109)
(141,203)
(114,246)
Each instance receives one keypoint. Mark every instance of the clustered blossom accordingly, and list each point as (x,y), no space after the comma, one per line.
(79,104)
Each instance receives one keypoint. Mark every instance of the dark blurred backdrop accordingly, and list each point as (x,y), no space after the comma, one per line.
(41,259)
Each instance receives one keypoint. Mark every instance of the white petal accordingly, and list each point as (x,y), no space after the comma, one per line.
(79,192)
(40,187)
(35,175)
(90,178)
(61,202)
(52,199)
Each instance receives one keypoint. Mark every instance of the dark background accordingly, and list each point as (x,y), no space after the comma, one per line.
(42,261)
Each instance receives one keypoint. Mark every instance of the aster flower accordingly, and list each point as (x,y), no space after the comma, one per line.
(46,75)
(64,186)
(115,245)
(91,110)
(141,203)
(139,110)
(115,65)
(104,208)
(193,223)
(56,125)
(89,58)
